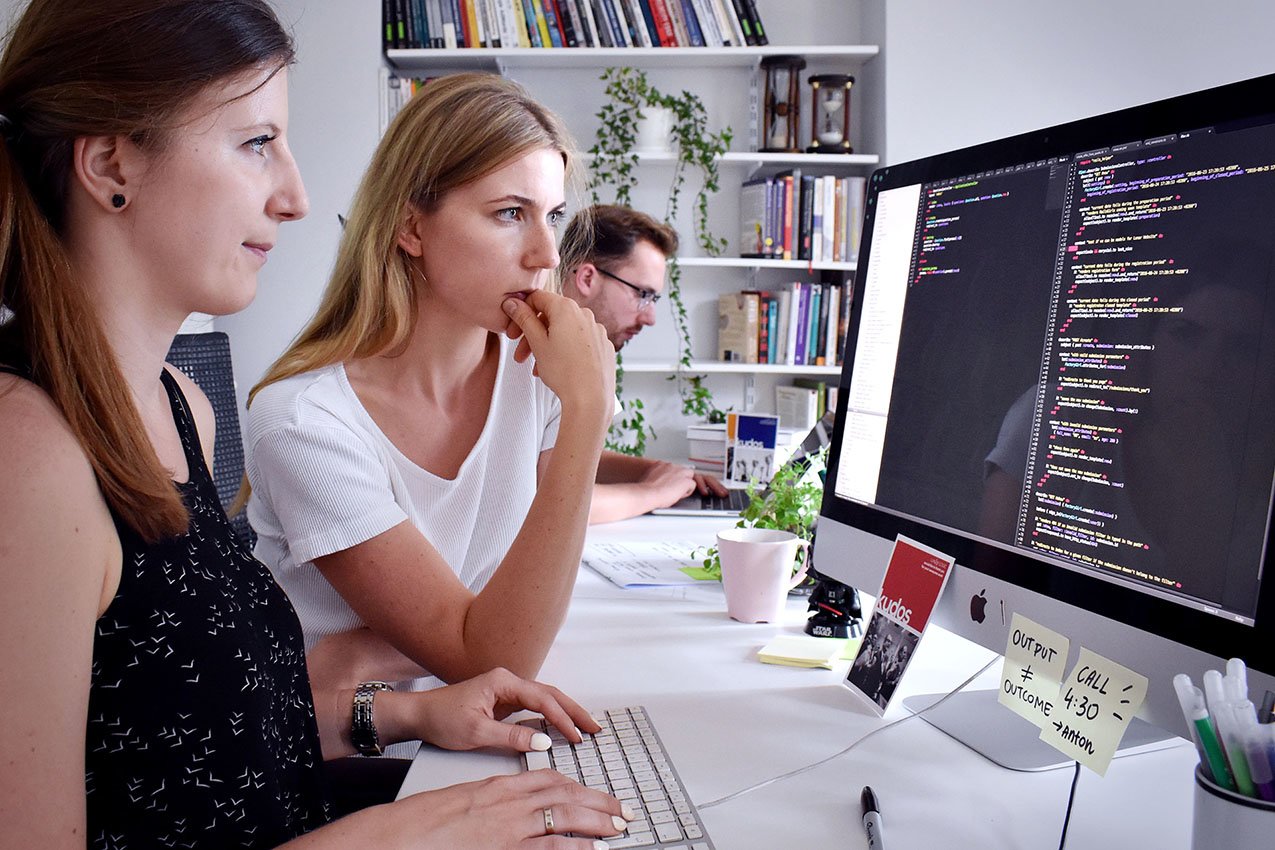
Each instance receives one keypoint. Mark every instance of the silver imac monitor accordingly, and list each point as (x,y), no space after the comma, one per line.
(1060,369)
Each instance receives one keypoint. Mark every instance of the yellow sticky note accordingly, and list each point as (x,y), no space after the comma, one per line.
(1035,660)
(1096,703)
(805,651)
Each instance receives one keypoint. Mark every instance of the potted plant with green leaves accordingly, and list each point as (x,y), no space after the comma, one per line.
(630,97)
(789,503)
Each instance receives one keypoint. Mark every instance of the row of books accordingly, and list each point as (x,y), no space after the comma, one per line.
(570,23)
(802,324)
(795,216)
(803,403)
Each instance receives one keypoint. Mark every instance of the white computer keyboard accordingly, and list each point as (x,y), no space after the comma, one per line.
(627,759)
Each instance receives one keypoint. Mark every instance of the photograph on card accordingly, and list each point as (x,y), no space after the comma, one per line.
(750,447)
(914,579)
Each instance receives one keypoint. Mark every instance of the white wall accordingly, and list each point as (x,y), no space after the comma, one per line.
(334,96)
(959,73)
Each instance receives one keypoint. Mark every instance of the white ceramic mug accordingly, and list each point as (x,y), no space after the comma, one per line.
(757,571)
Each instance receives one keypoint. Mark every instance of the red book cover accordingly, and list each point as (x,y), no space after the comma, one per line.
(467,34)
(663,24)
(763,327)
(914,578)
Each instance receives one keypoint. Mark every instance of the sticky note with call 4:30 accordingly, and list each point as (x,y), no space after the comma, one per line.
(1031,678)
(1098,699)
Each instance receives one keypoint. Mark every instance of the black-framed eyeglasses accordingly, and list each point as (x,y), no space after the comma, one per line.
(645,296)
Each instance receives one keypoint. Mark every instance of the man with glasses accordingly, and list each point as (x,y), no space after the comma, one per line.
(620,278)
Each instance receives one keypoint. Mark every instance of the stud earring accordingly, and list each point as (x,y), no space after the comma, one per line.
(117,201)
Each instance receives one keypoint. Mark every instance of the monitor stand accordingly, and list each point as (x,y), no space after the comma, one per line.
(980,722)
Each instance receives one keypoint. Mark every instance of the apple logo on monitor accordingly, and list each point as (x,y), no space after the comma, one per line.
(978,606)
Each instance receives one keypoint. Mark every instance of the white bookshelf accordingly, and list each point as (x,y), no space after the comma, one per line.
(759,159)
(567,81)
(717,367)
(758,263)
(648,58)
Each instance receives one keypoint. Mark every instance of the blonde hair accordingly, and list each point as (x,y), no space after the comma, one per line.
(456,130)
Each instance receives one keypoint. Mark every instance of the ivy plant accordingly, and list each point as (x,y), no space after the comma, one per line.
(791,504)
(614,166)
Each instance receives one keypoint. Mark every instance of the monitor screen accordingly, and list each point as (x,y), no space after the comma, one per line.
(1061,370)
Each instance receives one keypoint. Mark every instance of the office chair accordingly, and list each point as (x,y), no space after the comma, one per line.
(205,358)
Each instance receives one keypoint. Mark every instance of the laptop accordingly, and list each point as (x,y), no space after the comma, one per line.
(736,498)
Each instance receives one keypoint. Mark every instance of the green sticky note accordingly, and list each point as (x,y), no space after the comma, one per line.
(699,573)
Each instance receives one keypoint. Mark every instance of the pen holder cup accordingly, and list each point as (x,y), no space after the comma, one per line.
(757,571)
(1227,819)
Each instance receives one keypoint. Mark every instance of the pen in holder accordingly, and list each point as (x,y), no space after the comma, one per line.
(1229,819)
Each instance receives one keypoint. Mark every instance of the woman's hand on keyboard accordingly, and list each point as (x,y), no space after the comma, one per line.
(468,715)
(529,811)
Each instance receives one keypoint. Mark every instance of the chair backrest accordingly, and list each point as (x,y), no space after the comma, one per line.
(205,358)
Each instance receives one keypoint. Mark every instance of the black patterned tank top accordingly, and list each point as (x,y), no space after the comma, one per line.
(201,727)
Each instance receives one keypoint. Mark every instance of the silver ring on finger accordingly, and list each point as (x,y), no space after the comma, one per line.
(548,815)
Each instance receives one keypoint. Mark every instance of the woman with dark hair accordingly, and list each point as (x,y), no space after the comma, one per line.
(144,172)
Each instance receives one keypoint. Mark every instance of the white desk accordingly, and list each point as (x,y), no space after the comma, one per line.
(729,721)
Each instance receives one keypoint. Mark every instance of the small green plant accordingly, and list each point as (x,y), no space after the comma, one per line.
(614,165)
(629,434)
(791,505)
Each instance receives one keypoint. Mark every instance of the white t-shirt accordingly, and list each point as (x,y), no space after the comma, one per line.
(325,478)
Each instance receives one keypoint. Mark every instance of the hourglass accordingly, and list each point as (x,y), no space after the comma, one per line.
(781,102)
(830,113)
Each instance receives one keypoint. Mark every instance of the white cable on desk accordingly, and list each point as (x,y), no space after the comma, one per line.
(854,744)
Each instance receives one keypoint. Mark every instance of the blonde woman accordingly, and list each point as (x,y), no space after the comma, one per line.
(416,480)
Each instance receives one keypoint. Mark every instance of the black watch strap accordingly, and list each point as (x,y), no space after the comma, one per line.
(363,725)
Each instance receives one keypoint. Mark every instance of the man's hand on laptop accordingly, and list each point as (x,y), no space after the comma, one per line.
(706,485)
(667,482)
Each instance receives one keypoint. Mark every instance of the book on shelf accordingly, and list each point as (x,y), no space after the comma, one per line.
(663,23)
(452,24)
(708,23)
(819,388)
(592,35)
(796,407)
(759,32)
(646,20)
(691,21)
(805,216)
(737,328)
(755,237)
(679,25)
(771,320)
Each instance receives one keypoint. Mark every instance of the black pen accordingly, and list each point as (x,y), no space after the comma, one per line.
(872,823)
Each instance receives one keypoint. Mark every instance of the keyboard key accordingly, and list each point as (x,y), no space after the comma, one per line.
(537,760)
(668,831)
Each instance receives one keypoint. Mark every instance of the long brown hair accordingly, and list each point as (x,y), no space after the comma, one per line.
(78,68)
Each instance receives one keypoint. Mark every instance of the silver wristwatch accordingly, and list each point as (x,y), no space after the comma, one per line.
(363,727)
